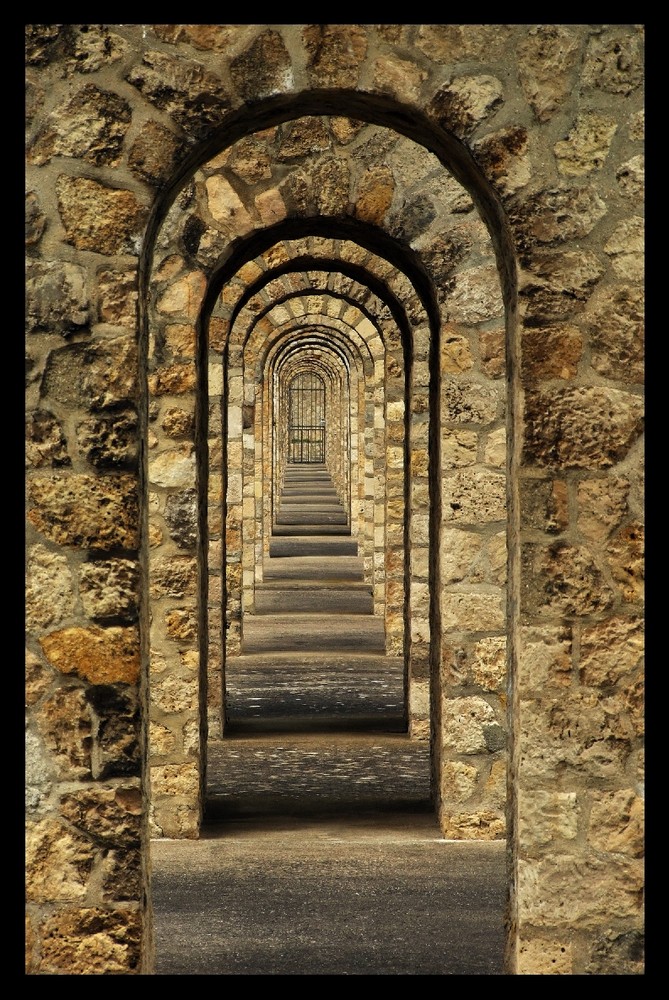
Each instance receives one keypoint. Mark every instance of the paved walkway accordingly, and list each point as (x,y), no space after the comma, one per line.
(320,853)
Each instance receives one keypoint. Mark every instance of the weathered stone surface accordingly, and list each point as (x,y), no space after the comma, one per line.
(611,651)
(90,47)
(551,890)
(488,663)
(465,103)
(64,721)
(38,678)
(484,824)
(181,625)
(90,126)
(374,194)
(110,589)
(173,576)
(625,554)
(474,496)
(587,427)
(85,512)
(181,517)
(583,733)
(545,817)
(116,749)
(549,352)
(544,957)
(559,285)
(614,60)
(173,467)
(458,781)
(504,158)
(452,43)
(602,505)
(458,554)
(49,586)
(263,69)
(492,348)
(207,37)
(100,218)
(544,505)
(175,694)
(631,178)
(91,941)
(400,77)
(616,329)
(563,578)
(195,98)
(456,354)
(335,53)
(110,440)
(122,876)
(106,813)
(625,248)
(472,612)
(546,60)
(173,380)
(616,823)
(545,658)
(45,441)
(618,954)
(57,298)
(155,153)
(35,219)
(161,740)
(95,376)
(466,724)
(476,295)
(558,214)
(58,862)
(39,772)
(469,403)
(117,297)
(39,42)
(587,145)
(178,423)
(98,655)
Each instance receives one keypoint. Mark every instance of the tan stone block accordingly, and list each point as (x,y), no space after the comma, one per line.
(615,325)
(38,678)
(464,724)
(469,403)
(374,194)
(49,585)
(617,822)
(504,158)
(85,511)
(226,207)
(105,812)
(181,625)
(99,218)
(472,612)
(587,145)
(473,496)
(458,448)
(173,576)
(558,214)
(456,354)
(578,891)
(183,297)
(545,817)
(59,862)
(547,57)
(476,295)
(161,740)
(174,693)
(453,43)
(400,77)
(270,206)
(631,178)
(98,655)
(458,781)
(545,658)
(109,588)
(625,248)
(551,351)
(488,663)
(484,824)
(459,551)
(544,505)
(175,779)
(91,941)
(465,102)
(614,60)
(611,651)
(563,578)
(544,957)
(173,467)
(495,788)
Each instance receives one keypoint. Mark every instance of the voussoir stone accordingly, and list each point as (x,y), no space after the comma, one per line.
(335,53)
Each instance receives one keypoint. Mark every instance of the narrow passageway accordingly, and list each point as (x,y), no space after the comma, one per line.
(321,854)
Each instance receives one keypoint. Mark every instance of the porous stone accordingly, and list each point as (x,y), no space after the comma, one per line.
(91,941)
(611,651)
(98,655)
(625,248)
(49,594)
(458,781)
(556,215)
(472,612)
(544,957)
(173,576)
(263,69)
(563,578)
(547,57)
(504,158)
(110,814)
(110,589)
(175,694)
(552,351)
(458,553)
(35,219)
(173,467)
(559,285)
(183,296)
(545,657)
(470,403)
(86,512)
(618,954)
(181,625)
(544,505)
(545,817)
(602,505)
(173,380)
(614,60)
(181,517)
(476,296)
(116,748)
(110,440)
(335,53)
(90,126)
(587,427)
(484,824)
(587,145)
(117,298)
(38,677)
(374,194)
(474,496)
(57,299)
(631,178)
(100,218)
(451,43)
(616,822)
(488,663)
(155,153)
(613,890)
(400,77)
(625,554)
(64,721)
(616,331)
(59,862)
(465,721)
(45,441)
(465,103)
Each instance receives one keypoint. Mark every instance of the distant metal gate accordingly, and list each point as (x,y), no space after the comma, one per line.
(306,419)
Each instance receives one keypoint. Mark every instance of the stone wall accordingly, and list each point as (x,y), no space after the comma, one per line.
(458,210)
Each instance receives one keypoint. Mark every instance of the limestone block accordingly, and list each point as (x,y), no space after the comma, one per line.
(100,218)
(617,822)
(183,296)
(617,953)
(625,554)
(161,741)
(472,612)
(64,721)
(483,824)
(545,817)
(49,594)
(91,941)
(174,693)
(175,779)
(476,295)
(556,215)
(374,194)
(270,207)
(551,351)
(488,663)
(616,329)
(59,862)
(563,578)
(543,505)
(38,678)
(181,517)
(473,496)
(466,723)
(249,158)
(547,57)
(631,178)
(456,355)
(557,284)
(173,576)
(458,781)
(492,349)
(587,427)
(551,891)
(98,655)
(335,53)
(85,512)
(57,298)
(402,78)
(226,207)
(504,159)
(452,43)
(89,126)
(544,957)
(470,403)
(263,69)
(581,733)
(109,440)
(154,153)
(465,103)
(614,60)
(109,588)
(611,651)
(173,467)
(110,813)
(181,625)
(587,145)
(625,248)
(177,423)
(494,449)
(458,448)
(544,658)
(408,222)
(193,96)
